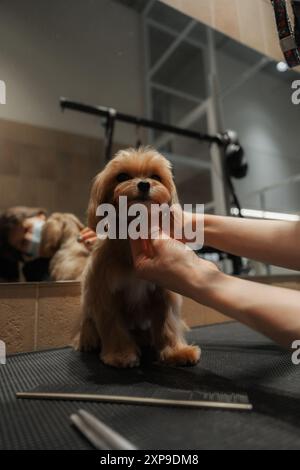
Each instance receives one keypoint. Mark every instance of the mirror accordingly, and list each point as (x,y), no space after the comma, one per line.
(144,59)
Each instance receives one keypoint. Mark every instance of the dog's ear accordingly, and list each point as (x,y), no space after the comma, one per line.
(98,196)
(168,172)
(52,235)
(76,221)
(174,195)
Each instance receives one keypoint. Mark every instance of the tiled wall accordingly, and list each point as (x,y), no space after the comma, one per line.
(248,21)
(46,168)
(37,316)
(42,167)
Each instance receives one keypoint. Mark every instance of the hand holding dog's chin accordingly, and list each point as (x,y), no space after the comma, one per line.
(169,263)
(188,221)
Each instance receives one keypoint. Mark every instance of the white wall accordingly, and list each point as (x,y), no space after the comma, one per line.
(88,50)
(267,122)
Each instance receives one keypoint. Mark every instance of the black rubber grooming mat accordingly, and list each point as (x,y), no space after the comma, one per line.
(234,358)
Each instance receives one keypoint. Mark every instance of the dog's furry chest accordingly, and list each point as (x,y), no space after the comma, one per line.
(135,291)
(136,295)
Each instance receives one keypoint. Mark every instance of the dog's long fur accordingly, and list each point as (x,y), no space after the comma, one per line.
(60,243)
(121,313)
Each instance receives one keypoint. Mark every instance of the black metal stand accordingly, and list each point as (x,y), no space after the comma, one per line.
(108,113)
(112,116)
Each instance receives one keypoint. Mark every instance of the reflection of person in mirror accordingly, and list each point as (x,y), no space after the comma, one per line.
(34,247)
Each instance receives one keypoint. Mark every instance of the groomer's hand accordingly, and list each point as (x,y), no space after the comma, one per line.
(188,222)
(171,264)
(88,237)
(168,263)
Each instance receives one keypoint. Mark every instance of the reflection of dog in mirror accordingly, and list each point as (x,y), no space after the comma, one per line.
(60,243)
(121,313)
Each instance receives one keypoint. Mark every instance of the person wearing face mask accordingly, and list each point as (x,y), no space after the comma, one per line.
(20,236)
(20,239)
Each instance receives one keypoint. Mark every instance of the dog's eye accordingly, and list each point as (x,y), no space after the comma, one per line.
(155,177)
(123,177)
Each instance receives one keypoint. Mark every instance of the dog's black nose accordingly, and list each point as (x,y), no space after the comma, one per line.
(143,186)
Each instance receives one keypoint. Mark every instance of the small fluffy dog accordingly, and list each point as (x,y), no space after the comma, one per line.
(59,241)
(121,313)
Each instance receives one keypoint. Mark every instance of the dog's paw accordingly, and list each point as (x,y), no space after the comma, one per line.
(181,356)
(121,360)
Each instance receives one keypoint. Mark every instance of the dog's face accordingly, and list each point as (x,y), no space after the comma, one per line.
(141,175)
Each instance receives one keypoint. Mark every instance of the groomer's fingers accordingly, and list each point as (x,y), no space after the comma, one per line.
(147,249)
(89,243)
(85,230)
(138,248)
(86,234)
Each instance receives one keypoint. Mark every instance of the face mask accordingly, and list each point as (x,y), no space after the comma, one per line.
(34,244)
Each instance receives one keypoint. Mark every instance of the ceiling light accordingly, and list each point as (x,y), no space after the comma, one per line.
(258,214)
(282,67)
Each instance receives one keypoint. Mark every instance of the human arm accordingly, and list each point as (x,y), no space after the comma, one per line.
(273,311)
(268,241)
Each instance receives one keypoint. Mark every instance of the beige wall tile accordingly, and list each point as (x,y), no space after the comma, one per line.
(41,316)
(199,9)
(271,41)
(197,315)
(72,143)
(48,163)
(63,197)
(9,158)
(9,190)
(64,162)
(250,23)
(173,3)
(29,160)
(79,197)
(80,167)
(58,311)
(288,285)
(44,167)
(27,193)
(96,152)
(59,307)
(26,134)
(18,316)
(225,17)
(46,190)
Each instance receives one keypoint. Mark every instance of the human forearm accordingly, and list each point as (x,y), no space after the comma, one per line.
(272,242)
(273,311)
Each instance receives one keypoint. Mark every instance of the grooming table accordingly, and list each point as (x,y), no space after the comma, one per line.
(233,357)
